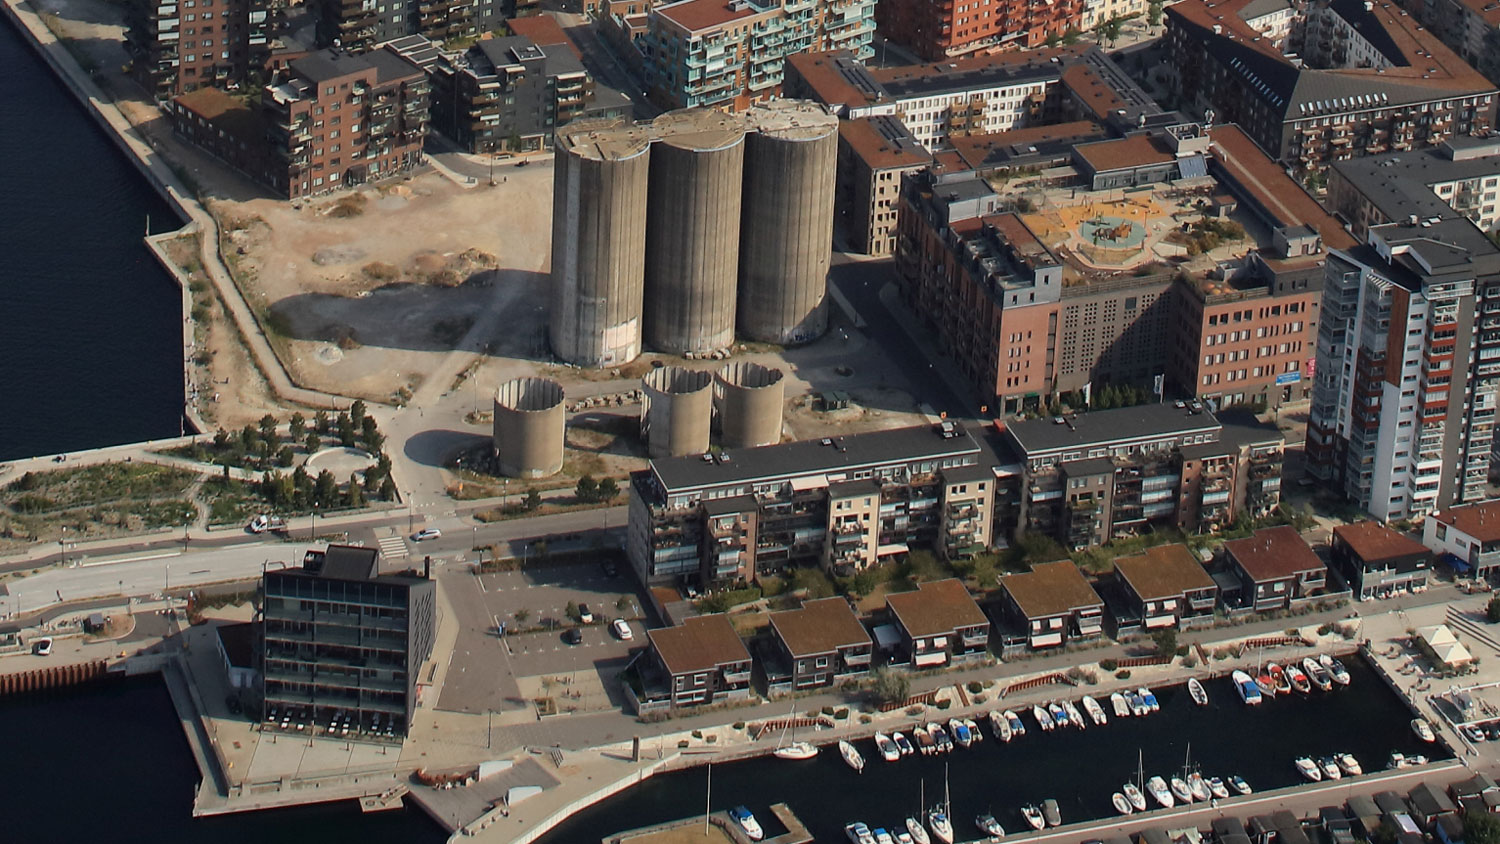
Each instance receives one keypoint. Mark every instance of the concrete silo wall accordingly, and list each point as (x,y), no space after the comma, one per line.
(791,155)
(676,411)
(529,425)
(693,231)
(600,183)
(749,399)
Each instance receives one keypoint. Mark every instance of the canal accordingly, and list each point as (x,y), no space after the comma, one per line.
(1079,769)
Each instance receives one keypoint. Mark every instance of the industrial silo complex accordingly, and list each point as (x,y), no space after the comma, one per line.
(693,230)
(529,426)
(791,156)
(599,242)
(676,411)
(674,234)
(748,399)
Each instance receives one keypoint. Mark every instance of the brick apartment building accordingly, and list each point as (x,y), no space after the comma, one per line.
(947,28)
(1368,78)
(730,53)
(875,154)
(1470,27)
(335,120)
(182,45)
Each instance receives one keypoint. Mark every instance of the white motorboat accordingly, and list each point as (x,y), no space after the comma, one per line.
(887,747)
(1120,704)
(917,831)
(1238,783)
(1017,726)
(1198,786)
(1075,718)
(747,822)
(1134,795)
(940,738)
(852,757)
(1335,669)
(1148,698)
(1217,788)
(1198,693)
(989,826)
(1422,729)
(1043,719)
(1033,816)
(941,826)
(859,833)
(1122,805)
(1399,760)
(1298,678)
(1249,692)
(796,750)
(974,731)
(1000,726)
(1316,673)
(1051,812)
(960,732)
(926,744)
(904,837)
(883,836)
(1059,715)
(1330,768)
(903,744)
(1180,790)
(1159,790)
(1095,711)
(1138,705)
(1308,768)
(1348,764)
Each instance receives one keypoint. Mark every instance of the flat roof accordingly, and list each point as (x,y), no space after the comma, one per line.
(1163,572)
(991,149)
(1124,153)
(820,626)
(810,457)
(1050,589)
(883,142)
(238,642)
(1003,69)
(343,562)
(1249,169)
(694,15)
(1273,554)
(836,78)
(1106,427)
(1480,520)
(936,608)
(701,643)
(1374,541)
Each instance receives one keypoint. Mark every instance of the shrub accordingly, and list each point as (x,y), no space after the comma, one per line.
(980,698)
(1122,674)
(1109,664)
(944,704)
(682,743)
(865,719)
(712,739)
(1184,650)
(913,711)
(841,713)
(1189,661)
(827,710)
(1325,629)
(697,734)
(739,725)
(975,687)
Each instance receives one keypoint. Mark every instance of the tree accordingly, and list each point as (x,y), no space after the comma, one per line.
(285,456)
(572,611)
(891,685)
(1166,641)
(533,500)
(1111,30)
(221,440)
(1481,828)
(326,489)
(1153,13)
(521,615)
(320,421)
(268,428)
(346,430)
(297,427)
(249,438)
(357,413)
(514,142)
(608,489)
(1492,610)
(587,490)
(388,489)
(313,442)
(356,494)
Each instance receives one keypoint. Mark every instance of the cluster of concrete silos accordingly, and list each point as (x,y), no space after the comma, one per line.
(675,233)
(679,406)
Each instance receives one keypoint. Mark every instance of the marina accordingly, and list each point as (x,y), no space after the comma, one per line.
(1230,742)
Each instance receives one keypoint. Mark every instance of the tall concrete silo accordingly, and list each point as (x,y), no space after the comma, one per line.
(599,241)
(693,230)
(791,154)
(748,398)
(529,425)
(676,411)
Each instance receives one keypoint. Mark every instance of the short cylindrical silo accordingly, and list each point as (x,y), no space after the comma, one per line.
(598,241)
(748,398)
(529,426)
(676,411)
(791,154)
(693,230)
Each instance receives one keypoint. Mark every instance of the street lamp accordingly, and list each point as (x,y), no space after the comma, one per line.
(312,532)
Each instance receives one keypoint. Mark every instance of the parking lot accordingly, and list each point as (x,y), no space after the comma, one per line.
(491,673)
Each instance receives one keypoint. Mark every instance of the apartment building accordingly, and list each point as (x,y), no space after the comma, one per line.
(1088,478)
(1466,537)
(182,45)
(1164,586)
(1048,606)
(731,53)
(938,625)
(817,645)
(1352,78)
(1470,27)
(700,662)
(875,154)
(361,25)
(510,94)
(342,639)
(843,503)
(940,30)
(1403,403)
(1377,561)
(1275,566)
(1462,172)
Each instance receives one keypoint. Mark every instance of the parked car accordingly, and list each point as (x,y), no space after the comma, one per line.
(621,629)
(42,646)
(572,636)
(585,615)
(425,534)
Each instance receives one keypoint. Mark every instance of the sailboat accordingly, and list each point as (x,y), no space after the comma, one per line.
(1335,669)
(937,818)
(852,757)
(1132,790)
(795,750)
(914,824)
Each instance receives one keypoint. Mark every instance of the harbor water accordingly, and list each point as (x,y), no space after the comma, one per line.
(1078,768)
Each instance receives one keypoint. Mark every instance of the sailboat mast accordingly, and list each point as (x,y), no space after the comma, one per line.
(708,798)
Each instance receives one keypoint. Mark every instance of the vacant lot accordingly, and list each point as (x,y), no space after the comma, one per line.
(91,502)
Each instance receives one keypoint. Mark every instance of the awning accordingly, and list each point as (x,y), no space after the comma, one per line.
(931,658)
(1454,562)
(811,482)
(1046,640)
(894,548)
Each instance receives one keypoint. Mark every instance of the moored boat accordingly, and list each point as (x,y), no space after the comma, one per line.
(989,826)
(1298,679)
(926,744)
(1238,783)
(1075,718)
(1138,705)
(1399,760)
(1317,674)
(1000,727)
(1134,795)
(1148,698)
(1330,768)
(1198,693)
(1120,704)
(974,732)
(1249,692)
(883,836)
(1180,789)
(1422,729)
(1159,790)
(1198,786)
(1265,683)
(1278,677)
(939,738)
(747,822)
(1059,715)
(796,750)
(1051,812)
(887,747)
(1043,718)
(852,757)
(1122,805)
(941,826)
(903,744)
(1094,710)
(1348,764)
(1217,788)
(1033,816)
(1017,726)
(1336,669)
(904,837)
(1308,768)
(917,831)
(960,732)
(859,833)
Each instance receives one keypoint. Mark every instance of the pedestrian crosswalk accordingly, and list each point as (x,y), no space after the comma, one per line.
(392,547)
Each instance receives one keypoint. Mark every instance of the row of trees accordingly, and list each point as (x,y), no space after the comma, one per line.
(262,446)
